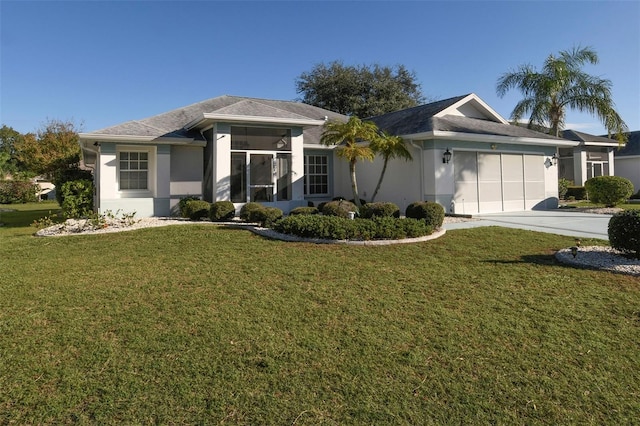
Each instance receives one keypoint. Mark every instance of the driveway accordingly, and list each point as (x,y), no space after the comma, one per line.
(562,222)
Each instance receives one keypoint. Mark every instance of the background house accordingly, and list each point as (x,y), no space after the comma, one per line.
(591,157)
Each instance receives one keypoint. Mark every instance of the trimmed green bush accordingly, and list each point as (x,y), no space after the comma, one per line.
(624,232)
(576,193)
(246,210)
(338,228)
(17,191)
(339,208)
(563,187)
(222,211)
(182,204)
(266,216)
(304,211)
(77,198)
(432,213)
(197,209)
(61,176)
(609,190)
(379,210)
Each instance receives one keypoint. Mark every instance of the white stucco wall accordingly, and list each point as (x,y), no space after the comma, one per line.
(629,168)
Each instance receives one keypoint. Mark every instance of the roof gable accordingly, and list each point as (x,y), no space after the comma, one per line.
(471,106)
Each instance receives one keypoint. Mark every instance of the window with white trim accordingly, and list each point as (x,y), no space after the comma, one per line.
(316,175)
(134,170)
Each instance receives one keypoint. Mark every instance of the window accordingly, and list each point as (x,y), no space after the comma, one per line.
(316,174)
(134,170)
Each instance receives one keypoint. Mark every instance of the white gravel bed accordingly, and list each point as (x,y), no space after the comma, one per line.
(83,226)
(600,257)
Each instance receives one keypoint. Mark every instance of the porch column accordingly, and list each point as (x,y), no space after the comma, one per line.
(579,165)
(611,161)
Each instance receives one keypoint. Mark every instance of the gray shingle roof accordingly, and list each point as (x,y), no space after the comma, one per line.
(574,135)
(421,119)
(632,147)
(172,123)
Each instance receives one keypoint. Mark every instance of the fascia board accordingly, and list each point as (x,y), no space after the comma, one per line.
(319,146)
(97,137)
(472,137)
(228,118)
(607,144)
(472,97)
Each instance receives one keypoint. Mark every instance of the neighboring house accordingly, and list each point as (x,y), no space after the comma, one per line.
(627,160)
(593,156)
(246,149)
(45,189)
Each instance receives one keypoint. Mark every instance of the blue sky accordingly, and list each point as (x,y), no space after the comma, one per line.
(101,63)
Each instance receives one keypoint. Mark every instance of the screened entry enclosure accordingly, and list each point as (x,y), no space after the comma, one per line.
(260,164)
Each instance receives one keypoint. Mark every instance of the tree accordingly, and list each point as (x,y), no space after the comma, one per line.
(351,138)
(8,140)
(562,84)
(53,148)
(361,91)
(389,147)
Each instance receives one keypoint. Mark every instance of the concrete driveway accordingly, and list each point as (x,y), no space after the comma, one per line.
(562,222)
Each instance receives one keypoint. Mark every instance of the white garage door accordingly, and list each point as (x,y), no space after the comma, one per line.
(493,182)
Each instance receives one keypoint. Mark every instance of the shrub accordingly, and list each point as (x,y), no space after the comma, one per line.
(362,202)
(576,192)
(77,198)
(197,209)
(221,211)
(339,208)
(379,210)
(304,211)
(338,228)
(635,196)
(563,187)
(432,213)
(609,190)
(246,210)
(624,232)
(17,191)
(182,204)
(266,216)
(61,176)
(321,206)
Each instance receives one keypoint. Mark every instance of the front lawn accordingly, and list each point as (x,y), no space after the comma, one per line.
(205,325)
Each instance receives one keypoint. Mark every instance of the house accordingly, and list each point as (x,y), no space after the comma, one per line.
(592,156)
(246,149)
(627,159)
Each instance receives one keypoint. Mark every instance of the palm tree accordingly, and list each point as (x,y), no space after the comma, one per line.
(559,85)
(350,137)
(389,147)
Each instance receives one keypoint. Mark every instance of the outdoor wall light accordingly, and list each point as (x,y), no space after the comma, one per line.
(554,159)
(446,157)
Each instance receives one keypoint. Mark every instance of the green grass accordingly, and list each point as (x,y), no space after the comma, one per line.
(200,324)
(586,203)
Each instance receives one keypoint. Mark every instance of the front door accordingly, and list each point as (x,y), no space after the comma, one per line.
(261,177)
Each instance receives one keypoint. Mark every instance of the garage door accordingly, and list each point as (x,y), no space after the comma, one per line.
(494,182)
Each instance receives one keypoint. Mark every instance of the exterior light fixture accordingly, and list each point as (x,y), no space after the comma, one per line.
(446,157)
(554,159)
(574,251)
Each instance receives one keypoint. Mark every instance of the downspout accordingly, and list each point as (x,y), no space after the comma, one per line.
(204,170)
(421,149)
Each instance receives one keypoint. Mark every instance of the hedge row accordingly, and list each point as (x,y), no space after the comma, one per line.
(339,228)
